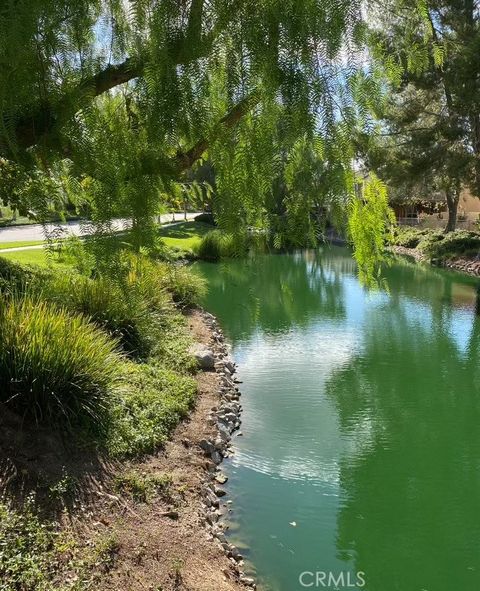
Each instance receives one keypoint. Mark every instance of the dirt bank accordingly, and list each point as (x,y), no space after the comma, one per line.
(156,524)
(164,543)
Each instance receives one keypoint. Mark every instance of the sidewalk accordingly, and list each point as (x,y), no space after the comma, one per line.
(36,231)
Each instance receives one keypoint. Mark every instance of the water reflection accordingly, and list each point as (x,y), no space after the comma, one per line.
(361,415)
(412,488)
(273,293)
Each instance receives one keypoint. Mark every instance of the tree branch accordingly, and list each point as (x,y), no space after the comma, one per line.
(185,160)
(182,161)
(194,26)
(35,126)
(40,121)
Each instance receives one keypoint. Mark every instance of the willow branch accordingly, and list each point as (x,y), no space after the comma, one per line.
(32,128)
(185,160)
(182,161)
(40,122)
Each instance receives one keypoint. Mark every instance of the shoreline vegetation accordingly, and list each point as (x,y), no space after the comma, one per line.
(112,439)
(458,250)
(151,522)
(103,482)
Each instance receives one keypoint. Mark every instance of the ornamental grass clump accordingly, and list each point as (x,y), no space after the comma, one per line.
(157,283)
(185,286)
(109,304)
(216,245)
(55,367)
(17,278)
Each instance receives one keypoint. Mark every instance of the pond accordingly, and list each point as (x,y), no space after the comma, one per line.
(359,464)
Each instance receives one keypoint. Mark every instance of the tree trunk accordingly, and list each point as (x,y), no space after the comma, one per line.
(453,194)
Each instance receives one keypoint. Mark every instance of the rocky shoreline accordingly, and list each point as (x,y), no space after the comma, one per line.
(225,418)
(408,252)
(174,539)
(464,265)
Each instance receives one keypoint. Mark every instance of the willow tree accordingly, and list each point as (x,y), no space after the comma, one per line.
(183,74)
(112,101)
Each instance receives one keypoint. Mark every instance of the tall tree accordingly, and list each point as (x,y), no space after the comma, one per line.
(430,134)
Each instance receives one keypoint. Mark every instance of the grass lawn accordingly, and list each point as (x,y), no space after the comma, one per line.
(185,235)
(32,257)
(5,245)
(182,236)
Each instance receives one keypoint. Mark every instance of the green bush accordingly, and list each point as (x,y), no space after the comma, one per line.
(145,278)
(216,245)
(210,247)
(157,282)
(111,306)
(452,244)
(407,237)
(205,218)
(186,287)
(53,377)
(17,278)
(54,366)
(415,237)
(137,307)
(435,244)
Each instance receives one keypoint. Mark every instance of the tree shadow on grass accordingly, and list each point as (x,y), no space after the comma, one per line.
(185,230)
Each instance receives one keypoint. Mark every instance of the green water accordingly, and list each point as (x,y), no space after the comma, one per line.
(361,423)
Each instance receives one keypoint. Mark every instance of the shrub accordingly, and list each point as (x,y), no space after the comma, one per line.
(133,308)
(453,244)
(187,288)
(210,247)
(205,218)
(17,278)
(145,278)
(155,281)
(415,237)
(235,245)
(217,244)
(407,237)
(54,366)
(437,245)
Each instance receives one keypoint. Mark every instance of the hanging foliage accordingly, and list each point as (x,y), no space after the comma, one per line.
(370,224)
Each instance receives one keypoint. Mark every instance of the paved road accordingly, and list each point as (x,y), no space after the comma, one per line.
(35,231)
